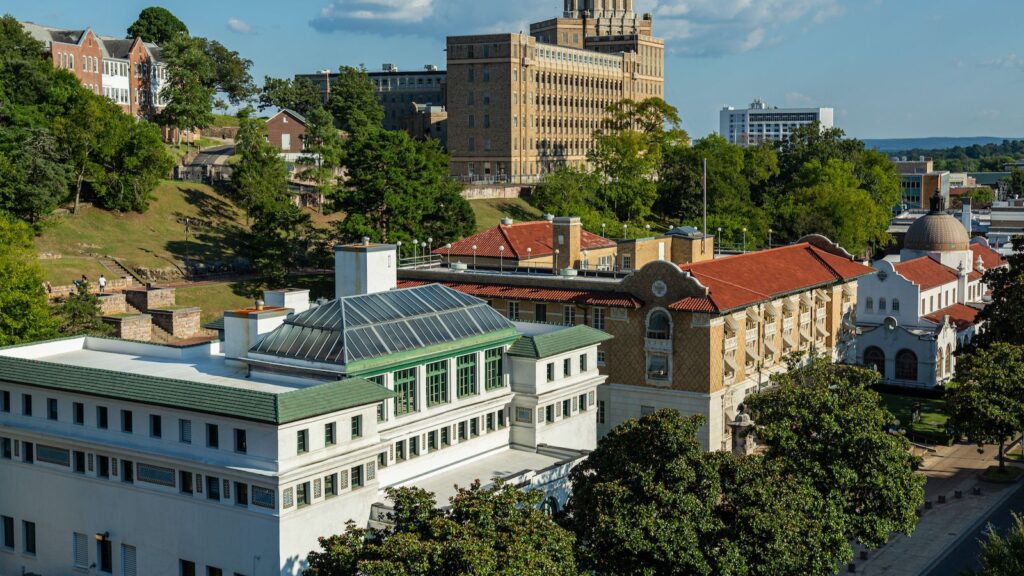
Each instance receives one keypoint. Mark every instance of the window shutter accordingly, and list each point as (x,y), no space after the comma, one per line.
(227,489)
(128,560)
(316,488)
(371,470)
(113,466)
(81,550)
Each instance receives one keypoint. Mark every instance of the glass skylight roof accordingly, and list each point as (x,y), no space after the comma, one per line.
(375,325)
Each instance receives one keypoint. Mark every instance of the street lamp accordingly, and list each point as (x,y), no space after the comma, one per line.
(430,246)
(474,257)
(424,247)
(744,240)
(719,243)
(415,250)
(585,263)
(602,230)
(529,257)
(449,247)
(623,231)
(399,243)
(501,259)
(769,237)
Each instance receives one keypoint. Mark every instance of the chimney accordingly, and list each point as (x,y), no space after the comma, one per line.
(364,268)
(965,214)
(566,241)
(295,300)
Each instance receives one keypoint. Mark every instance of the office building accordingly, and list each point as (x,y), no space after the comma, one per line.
(233,457)
(918,180)
(762,123)
(521,106)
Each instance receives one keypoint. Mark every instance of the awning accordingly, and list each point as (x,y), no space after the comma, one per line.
(771,346)
(820,329)
(731,324)
(753,315)
(751,356)
(787,341)
(790,306)
(823,296)
(730,364)
(772,309)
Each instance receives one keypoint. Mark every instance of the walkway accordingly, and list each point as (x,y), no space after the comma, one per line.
(943,525)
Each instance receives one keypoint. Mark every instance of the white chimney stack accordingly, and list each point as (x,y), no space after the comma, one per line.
(365,268)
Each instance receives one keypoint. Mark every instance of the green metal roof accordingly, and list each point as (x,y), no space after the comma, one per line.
(203,397)
(558,342)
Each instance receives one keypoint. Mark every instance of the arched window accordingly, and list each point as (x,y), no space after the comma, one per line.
(939,364)
(949,358)
(658,326)
(869,303)
(874,357)
(881,304)
(906,365)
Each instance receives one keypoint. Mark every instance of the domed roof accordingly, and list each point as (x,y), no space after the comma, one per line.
(937,231)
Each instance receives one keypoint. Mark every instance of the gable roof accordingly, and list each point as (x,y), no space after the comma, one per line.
(740,281)
(507,292)
(557,342)
(962,316)
(926,272)
(205,397)
(48,34)
(989,257)
(517,238)
(292,113)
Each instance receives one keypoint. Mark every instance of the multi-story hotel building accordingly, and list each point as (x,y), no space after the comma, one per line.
(233,457)
(762,123)
(520,106)
(127,71)
(691,332)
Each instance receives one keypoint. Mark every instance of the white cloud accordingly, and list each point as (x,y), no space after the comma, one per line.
(1010,61)
(239,25)
(691,27)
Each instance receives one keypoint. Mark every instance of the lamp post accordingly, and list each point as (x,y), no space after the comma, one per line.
(744,240)
(585,263)
(624,231)
(648,228)
(399,244)
(554,262)
(602,230)
(719,243)
(529,256)
(769,238)
(430,246)
(501,259)
(415,251)
(474,257)
(449,247)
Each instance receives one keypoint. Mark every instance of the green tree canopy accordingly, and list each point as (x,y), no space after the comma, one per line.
(495,531)
(157,25)
(25,315)
(188,92)
(986,403)
(323,150)
(353,101)
(1004,316)
(79,314)
(299,95)
(823,422)
(1003,556)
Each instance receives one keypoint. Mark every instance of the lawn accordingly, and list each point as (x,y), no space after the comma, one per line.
(932,426)
(65,270)
(490,212)
(154,239)
(214,299)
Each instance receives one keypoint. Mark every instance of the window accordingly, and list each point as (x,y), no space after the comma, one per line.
(437,383)
(405,392)
(657,367)
(241,445)
(501,418)
(302,441)
(29,536)
(446,436)
(489,422)
(869,303)
(127,425)
(466,375)
(414,446)
(551,372)
(212,436)
(241,494)
(357,427)
(582,401)
(331,486)
(881,304)
(646,411)
(906,365)
(79,462)
(212,571)
(5,401)
(462,431)
(129,565)
(569,315)
(187,568)
(104,556)
(583,362)
(895,304)
(102,466)
(659,327)
(185,482)
(493,377)
(874,357)
(567,367)
(156,426)
(400,451)
(597,318)
(432,440)
(524,415)
(540,312)
(549,413)
(329,434)
(155,475)
(27,452)
(185,431)
(51,409)
(566,407)
(357,477)
(8,529)
(474,427)
(600,411)
(127,471)
(26,404)
(513,310)
(212,488)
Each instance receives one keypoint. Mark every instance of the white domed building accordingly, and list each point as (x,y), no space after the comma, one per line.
(914,314)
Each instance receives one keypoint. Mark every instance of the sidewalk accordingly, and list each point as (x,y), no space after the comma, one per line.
(941,527)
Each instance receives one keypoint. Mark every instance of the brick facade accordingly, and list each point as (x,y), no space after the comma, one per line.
(286,130)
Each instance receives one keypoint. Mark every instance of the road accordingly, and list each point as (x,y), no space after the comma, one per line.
(964,555)
(214,156)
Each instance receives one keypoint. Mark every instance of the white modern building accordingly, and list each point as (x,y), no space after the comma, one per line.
(233,457)
(762,123)
(913,314)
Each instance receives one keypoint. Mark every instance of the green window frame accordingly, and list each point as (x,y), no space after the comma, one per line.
(405,392)
(381,411)
(302,441)
(437,383)
(330,436)
(583,363)
(357,427)
(493,376)
(466,375)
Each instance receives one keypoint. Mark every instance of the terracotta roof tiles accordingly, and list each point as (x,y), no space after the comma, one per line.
(962,316)
(989,257)
(926,272)
(587,297)
(517,239)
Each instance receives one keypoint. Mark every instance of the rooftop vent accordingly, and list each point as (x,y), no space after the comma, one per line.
(506,221)
(260,305)
(549,217)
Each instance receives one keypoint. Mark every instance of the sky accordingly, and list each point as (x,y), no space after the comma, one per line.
(889,68)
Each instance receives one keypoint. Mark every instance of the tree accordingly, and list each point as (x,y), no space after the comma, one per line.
(394,186)
(1004,317)
(299,95)
(188,91)
(79,314)
(231,75)
(1017,182)
(823,422)
(323,150)
(573,191)
(650,500)
(132,164)
(353,101)
(1003,556)
(986,403)
(25,315)
(80,133)
(496,531)
(33,180)
(157,25)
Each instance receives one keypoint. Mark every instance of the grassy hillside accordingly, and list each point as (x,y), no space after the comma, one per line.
(154,239)
(490,212)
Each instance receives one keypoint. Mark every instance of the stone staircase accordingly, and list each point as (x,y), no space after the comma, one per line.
(119,270)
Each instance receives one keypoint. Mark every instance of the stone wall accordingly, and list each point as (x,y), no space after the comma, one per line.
(111,304)
(146,300)
(113,284)
(137,327)
(180,323)
(496,191)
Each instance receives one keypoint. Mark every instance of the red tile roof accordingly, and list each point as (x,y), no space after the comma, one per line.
(963,317)
(926,273)
(740,281)
(517,238)
(587,297)
(989,257)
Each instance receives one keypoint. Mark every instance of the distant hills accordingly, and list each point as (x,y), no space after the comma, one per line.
(936,143)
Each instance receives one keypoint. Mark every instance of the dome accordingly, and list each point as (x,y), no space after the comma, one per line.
(937,231)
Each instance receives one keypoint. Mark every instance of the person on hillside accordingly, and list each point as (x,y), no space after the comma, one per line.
(102,283)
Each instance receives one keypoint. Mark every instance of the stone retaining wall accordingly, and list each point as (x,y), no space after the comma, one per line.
(150,299)
(495,191)
(135,327)
(113,284)
(180,323)
(111,304)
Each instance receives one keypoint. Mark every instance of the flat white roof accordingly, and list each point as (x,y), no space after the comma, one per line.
(204,363)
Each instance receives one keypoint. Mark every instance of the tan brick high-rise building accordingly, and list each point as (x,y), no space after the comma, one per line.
(522,106)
